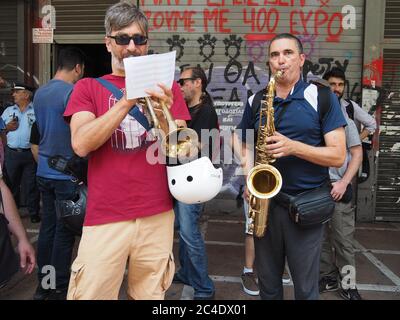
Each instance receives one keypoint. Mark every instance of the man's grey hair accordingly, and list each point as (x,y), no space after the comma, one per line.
(30,95)
(122,15)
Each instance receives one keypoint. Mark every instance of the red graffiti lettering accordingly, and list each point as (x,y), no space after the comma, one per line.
(219,20)
(169,2)
(283,3)
(318,22)
(265,20)
(171,19)
(304,20)
(293,22)
(254,3)
(158,20)
(279,3)
(250,3)
(217,3)
(265,17)
(324,3)
(251,20)
(334,37)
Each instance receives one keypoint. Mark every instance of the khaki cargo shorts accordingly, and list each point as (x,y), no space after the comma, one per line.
(142,247)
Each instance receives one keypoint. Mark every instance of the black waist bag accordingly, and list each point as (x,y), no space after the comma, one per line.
(310,208)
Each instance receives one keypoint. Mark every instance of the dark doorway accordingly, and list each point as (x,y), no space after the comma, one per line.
(98,59)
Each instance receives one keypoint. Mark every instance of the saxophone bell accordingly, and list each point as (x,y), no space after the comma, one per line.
(264,181)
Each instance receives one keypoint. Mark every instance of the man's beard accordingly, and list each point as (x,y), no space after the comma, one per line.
(119,63)
(339,95)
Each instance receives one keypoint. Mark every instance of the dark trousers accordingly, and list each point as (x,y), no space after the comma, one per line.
(302,247)
(18,166)
(56,242)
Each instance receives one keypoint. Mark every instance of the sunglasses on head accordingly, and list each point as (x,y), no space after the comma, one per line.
(124,40)
(182,81)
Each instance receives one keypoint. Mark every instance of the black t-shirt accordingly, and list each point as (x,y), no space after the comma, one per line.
(204,117)
(35,135)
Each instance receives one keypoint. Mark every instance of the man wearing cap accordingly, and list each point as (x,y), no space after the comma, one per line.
(18,160)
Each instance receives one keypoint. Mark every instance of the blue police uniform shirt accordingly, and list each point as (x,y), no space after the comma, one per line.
(300,122)
(19,138)
(55,136)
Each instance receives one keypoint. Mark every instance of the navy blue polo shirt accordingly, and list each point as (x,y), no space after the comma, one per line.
(300,122)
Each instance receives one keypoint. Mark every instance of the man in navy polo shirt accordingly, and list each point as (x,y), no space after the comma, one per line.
(304,147)
(18,161)
(55,241)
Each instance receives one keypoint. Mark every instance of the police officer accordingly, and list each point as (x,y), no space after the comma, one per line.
(18,160)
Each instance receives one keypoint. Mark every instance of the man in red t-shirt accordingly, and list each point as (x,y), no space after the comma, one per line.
(129,210)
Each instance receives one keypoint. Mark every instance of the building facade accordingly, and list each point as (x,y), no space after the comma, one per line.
(229,39)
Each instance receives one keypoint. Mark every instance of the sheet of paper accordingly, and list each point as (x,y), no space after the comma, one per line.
(145,72)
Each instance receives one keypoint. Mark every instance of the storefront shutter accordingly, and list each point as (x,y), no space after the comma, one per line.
(388,175)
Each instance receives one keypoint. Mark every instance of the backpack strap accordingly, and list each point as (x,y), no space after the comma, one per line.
(350,109)
(324,101)
(256,103)
(134,112)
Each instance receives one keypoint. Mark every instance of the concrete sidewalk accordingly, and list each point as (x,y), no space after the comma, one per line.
(377,259)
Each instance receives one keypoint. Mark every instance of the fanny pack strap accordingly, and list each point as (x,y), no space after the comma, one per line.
(285,199)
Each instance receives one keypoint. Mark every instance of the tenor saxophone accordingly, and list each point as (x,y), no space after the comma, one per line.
(264,181)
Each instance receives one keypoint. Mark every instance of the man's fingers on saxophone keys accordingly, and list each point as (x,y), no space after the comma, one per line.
(278,146)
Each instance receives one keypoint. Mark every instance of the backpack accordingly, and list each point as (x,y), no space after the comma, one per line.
(365,168)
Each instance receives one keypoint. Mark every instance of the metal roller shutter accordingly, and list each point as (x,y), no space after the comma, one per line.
(392,22)
(8,45)
(80,17)
(229,38)
(388,176)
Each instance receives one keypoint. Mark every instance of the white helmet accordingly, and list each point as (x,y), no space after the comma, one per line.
(194,182)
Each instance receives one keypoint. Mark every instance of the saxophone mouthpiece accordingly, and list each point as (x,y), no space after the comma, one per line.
(279,74)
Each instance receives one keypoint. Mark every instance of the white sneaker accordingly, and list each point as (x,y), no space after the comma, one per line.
(285,277)
(249,283)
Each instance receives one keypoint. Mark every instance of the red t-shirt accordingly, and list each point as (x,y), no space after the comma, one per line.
(122,184)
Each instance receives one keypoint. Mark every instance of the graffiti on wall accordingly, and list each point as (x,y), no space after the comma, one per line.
(261,18)
(231,84)
(229,39)
(373,73)
(236,81)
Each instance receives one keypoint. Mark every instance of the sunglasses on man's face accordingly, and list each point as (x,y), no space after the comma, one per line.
(124,40)
(182,81)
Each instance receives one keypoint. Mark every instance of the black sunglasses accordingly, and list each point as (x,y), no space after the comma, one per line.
(182,81)
(123,40)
